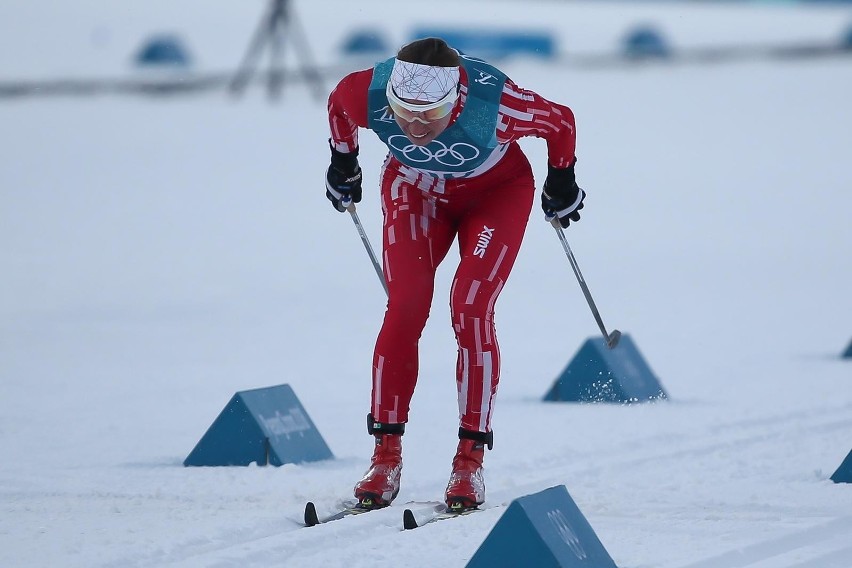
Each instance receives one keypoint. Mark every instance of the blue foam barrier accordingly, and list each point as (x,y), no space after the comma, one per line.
(266,426)
(163,51)
(646,42)
(545,530)
(366,42)
(600,374)
(844,472)
(493,44)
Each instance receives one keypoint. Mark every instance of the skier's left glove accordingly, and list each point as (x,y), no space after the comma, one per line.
(343,179)
(561,196)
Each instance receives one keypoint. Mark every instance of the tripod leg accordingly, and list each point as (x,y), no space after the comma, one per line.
(262,34)
(309,68)
(276,66)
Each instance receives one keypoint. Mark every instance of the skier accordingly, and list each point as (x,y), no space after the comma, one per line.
(454,170)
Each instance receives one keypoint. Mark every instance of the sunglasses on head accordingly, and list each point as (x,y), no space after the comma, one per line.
(425,112)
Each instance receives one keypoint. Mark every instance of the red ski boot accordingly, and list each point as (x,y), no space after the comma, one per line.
(466,488)
(380,484)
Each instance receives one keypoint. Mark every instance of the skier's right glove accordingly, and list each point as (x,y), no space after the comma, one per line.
(343,179)
(561,196)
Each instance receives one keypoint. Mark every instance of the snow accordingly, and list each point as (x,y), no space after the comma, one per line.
(159,255)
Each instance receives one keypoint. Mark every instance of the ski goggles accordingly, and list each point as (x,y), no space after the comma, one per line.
(425,112)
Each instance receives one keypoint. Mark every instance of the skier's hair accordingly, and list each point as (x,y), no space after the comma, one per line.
(429,51)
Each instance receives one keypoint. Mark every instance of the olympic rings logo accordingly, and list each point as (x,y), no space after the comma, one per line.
(453,156)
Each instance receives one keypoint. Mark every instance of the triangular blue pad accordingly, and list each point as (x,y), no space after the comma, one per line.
(545,530)
(844,472)
(600,374)
(262,426)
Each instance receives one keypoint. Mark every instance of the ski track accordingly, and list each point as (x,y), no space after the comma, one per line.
(258,543)
(753,432)
(776,553)
(262,538)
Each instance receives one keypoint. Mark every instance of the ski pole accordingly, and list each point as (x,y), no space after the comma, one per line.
(351,208)
(610,338)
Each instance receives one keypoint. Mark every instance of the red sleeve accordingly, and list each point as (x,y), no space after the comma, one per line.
(347,109)
(525,113)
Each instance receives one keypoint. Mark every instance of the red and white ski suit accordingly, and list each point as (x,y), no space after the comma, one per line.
(423,214)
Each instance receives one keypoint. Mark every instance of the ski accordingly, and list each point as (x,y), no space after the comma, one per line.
(347,509)
(411,520)
(352,507)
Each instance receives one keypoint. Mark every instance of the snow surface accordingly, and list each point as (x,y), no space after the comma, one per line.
(159,255)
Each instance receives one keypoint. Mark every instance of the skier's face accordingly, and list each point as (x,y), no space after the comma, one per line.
(421,132)
(422,121)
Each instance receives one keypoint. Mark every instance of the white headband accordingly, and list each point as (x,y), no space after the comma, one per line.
(422,82)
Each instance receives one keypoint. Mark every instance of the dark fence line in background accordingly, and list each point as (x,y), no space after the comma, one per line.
(189,83)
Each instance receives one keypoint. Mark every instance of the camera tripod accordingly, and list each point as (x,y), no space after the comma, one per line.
(272,29)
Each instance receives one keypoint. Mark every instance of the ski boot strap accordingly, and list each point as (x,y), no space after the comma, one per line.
(486,438)
(379,428)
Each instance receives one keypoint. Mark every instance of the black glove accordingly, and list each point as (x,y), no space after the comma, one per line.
(561,196)
(343,179)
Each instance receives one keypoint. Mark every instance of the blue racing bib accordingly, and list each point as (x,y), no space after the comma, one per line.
(465,144)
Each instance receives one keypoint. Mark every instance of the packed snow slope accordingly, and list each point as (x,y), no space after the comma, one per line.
(160,254)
